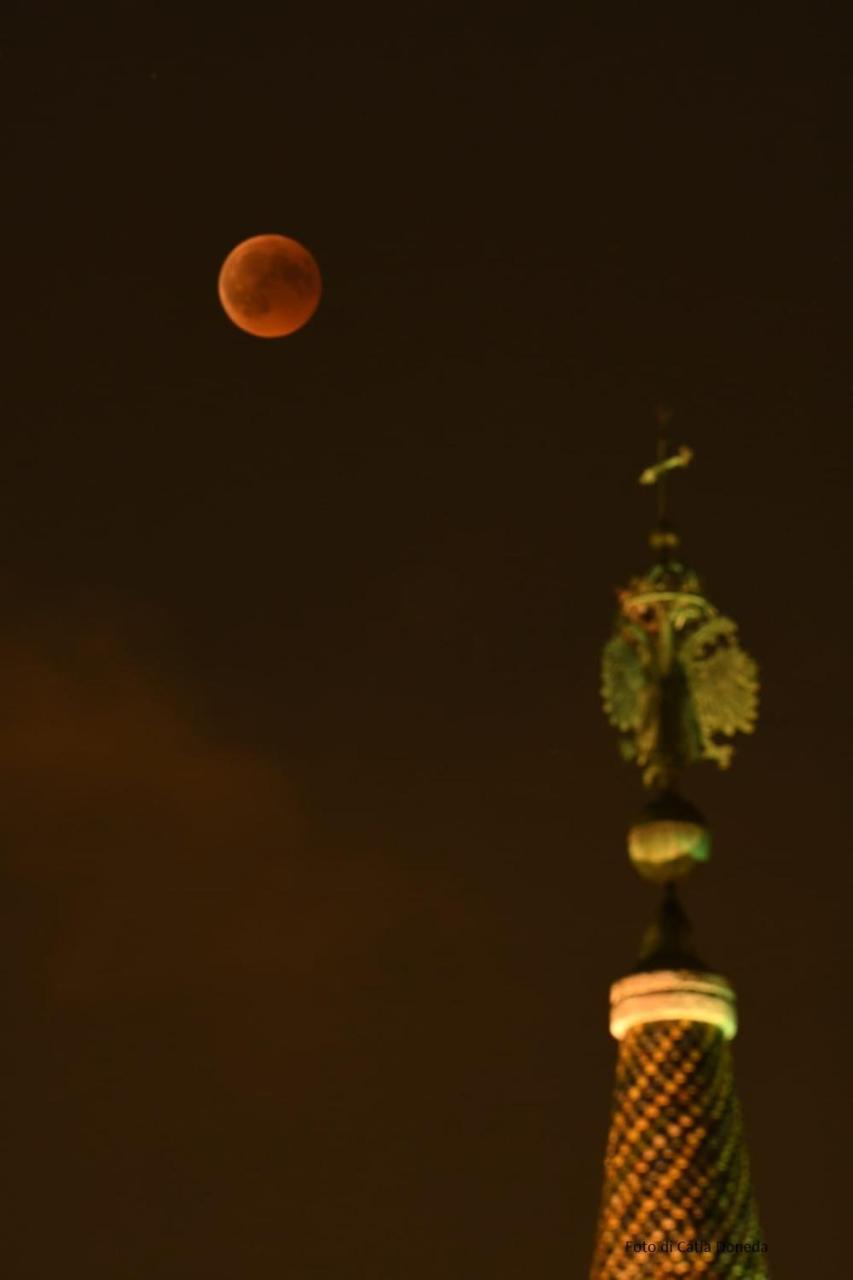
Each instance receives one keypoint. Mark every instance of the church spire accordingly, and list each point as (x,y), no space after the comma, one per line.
(677,1197)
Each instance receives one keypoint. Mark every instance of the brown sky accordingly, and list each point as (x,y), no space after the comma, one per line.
(313,874)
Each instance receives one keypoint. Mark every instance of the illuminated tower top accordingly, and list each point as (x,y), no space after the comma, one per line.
(677,1197)
(677,686)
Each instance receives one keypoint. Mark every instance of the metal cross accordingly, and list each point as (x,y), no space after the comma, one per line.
(657,474)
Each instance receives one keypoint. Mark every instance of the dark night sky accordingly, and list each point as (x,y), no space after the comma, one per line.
(313,873)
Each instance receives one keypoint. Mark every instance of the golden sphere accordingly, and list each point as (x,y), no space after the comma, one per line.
(668,838)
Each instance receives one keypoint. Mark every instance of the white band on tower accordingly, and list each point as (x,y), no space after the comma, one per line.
(669,995)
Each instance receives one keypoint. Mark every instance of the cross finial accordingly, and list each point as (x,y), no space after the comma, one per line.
(657,475)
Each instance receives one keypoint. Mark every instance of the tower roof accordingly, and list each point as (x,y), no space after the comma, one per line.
(677,685)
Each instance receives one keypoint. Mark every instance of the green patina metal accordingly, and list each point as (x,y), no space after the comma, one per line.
(675,681)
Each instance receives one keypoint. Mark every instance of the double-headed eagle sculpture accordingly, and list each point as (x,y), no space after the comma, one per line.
(676,683)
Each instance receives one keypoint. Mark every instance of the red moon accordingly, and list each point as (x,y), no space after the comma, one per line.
(270,286)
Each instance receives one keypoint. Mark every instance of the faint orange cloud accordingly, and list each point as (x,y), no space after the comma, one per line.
(173,861)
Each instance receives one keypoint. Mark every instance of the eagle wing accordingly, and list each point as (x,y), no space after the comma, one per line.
(625,680)
(723,684)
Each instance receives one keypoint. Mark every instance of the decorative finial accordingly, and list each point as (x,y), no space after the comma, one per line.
(663,537)
(657,473)
(677,685)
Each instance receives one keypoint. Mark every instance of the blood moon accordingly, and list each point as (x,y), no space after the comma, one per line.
(270,286)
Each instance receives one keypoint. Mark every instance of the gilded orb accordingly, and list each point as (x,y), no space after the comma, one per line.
(668,838)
